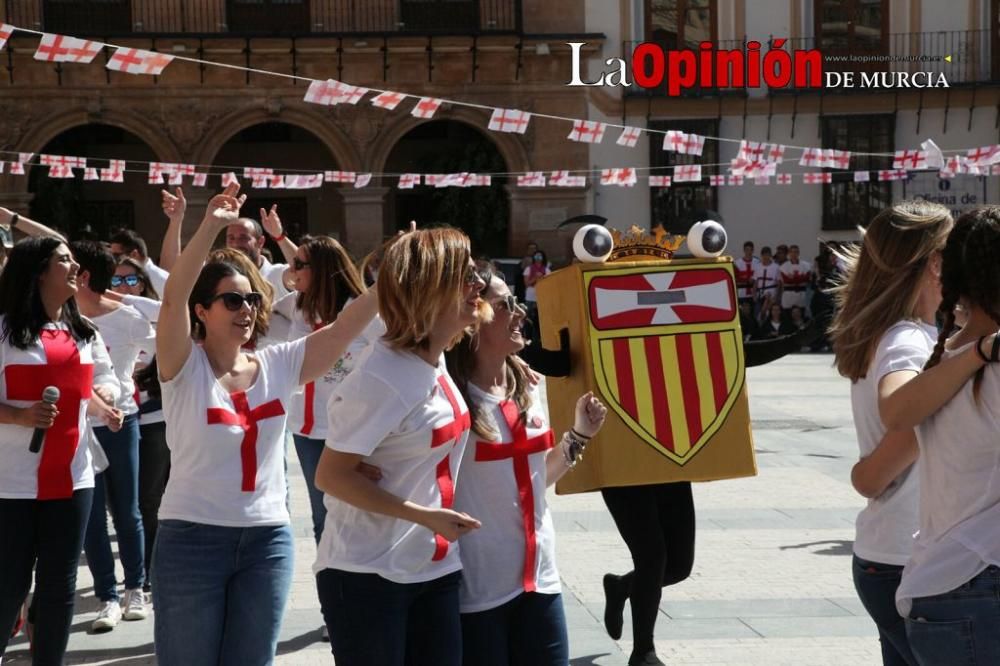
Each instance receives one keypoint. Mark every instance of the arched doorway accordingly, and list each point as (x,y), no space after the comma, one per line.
(448,146)
(287,149)
(88,208)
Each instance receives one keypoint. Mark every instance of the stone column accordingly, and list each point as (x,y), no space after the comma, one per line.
(364,219)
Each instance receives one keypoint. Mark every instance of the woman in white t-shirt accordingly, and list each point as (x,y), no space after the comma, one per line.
(46,494)
(387,569)
(882,335)
(951,585)
(512,610)
(223,555)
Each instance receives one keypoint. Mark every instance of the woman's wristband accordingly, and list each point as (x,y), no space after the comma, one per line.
(13,220)
(280,237)
(979,348)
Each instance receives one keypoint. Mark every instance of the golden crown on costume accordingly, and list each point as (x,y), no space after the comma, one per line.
(636,241)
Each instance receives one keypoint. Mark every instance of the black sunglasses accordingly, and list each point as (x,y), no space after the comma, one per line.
(233,300)
(511,303)
(298,264)
(132,280)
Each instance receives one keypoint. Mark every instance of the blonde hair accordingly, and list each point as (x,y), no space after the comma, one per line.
(227,255)
(882,282)
(421,276)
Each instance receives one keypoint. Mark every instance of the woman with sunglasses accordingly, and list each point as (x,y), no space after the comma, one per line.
(387,570)
(512,611)
(224,550)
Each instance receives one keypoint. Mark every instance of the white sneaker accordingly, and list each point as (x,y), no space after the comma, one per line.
(108,616)
(134,604)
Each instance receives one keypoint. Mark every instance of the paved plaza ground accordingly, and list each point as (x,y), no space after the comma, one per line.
(771,582)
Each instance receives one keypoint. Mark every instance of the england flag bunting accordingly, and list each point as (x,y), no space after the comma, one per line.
(408,180)
(565,179)
(90,173)
(909,160)
(5,32)
(674,140)
(716,181)
(659,181)
(229,178)
(984,155)
(618,177)
(426,107)
(303,181)
(362,180)
(762,180)
(59,48)
(256,172)
(276,181)
(388,100)
(354,95)
(531,179)
(629,137)
(510,120)
(687,173)
(692,145)
(199,180)
(862,176)
(340,176)
(587,131)
(817,178)
(812,157)
(137,61)
(838,159)
(892,174)
(784,179)
(734,180)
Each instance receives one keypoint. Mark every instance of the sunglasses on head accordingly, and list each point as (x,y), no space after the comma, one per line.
(510,303)
(233,300)
(298,264)
(132,280)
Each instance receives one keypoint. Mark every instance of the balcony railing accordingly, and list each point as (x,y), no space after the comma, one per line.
(106,18)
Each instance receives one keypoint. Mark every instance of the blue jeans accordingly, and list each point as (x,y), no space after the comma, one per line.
(45,536)
(876,585)
(219,592)
(958,628)
(309,451)
(530,629)
(372,620)
(117,489)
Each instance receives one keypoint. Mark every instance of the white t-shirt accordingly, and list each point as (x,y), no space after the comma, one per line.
(745,275)
(503,558)
(308,413)
(157,276)
(407,418)
(274,273)
(886,526)
(529,291)
(64,463)
(150,409)
(127,334)
(213,479)
(766,278)
(795,281)
(960,493)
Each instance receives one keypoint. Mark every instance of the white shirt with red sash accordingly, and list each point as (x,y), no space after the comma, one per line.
(308,413)
(64,463)
(503,485)
(227,450)
(795,281)
(406,417)
(744,271)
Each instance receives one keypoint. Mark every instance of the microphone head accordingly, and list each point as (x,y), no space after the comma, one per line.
(50,394)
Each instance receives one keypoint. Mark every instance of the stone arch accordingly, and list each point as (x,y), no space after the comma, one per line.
(336,142)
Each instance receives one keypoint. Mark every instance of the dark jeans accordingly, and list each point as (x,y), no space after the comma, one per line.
(528,630)
(50,533)
(657,524)
(154,470)
(120,484)
(372,620)
(958,628)
(309,451)
(876,585)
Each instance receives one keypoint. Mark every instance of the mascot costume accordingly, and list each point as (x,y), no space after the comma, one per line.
(658,340)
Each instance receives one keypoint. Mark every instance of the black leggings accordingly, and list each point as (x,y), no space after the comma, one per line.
(154,470)
(657,524)
(48,532)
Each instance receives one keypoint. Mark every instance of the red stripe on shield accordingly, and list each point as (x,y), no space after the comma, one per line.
(717,365)
(658,384)
(626,383)
(689,385)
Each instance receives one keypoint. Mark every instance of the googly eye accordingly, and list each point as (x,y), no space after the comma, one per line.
(592,244)
(706,239)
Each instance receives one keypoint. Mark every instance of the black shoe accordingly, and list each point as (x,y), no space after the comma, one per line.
(614,605)
(647,659)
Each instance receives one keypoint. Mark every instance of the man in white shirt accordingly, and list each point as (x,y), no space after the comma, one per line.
(130,244)
(795,275)
(247,236)
(767,281)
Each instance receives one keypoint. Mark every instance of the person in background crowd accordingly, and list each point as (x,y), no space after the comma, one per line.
(767,282)
(745,268)
(387,569)
(223,561)
(774,325)
(538,269)
(127,243)
(883,334)
(797,318)
(825,277)
(780,254)
(795,274)
(748,323)
(526,261)
(45,496)
(511,602)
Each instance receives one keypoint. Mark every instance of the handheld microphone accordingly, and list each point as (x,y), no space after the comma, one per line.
(50,396)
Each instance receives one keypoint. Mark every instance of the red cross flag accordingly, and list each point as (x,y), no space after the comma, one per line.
(354,94)
(5,32)
(276,181)
(984,155)
(784,179)
(388,100)
(734,180)
(481,180)
(426,107)
(90,173)
(893,174)
(619,177)
(909,159)
(62,160)
(812,157)
(17,168)
(817,178)
(716,181)
(229,178)
(60,171)
(762,180)
(59,48)
(137,61)
(587,131)
(531,179)
(256,172)
(408,180)
(751,151)
(838,159)
(946,173)
(995,170)
(776,153)
(564,179)
(510,120)
(176,178)
(659,181)
(433,179)
(327,92)
(693,145)
(362,180)
(629,137)
(862,176)
(157,170)
(340,176)
(674,140)
(199,179)
(260,182)
(687,173)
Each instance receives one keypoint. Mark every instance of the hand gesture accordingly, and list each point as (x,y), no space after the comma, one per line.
(224,208)
(174,205)
(103,393)
(589,417)
(39,415)
(449,524)
(271,222)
